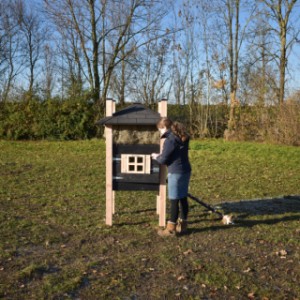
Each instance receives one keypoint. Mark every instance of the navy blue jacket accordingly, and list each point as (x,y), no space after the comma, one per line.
(175,154)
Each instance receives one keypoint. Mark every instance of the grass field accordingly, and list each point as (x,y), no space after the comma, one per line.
(54,243)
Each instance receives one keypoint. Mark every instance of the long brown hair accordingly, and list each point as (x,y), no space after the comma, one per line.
(179,130)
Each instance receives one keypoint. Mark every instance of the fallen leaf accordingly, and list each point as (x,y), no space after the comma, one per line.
(281,253)
(181,277)
(189,251)
(247,270)
(251,296)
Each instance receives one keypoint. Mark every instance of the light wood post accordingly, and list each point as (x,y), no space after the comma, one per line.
(110,201)
(161,198)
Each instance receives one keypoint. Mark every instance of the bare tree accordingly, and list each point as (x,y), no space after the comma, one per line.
(73,58)
(280,11)
(185,46)
(71,63)
(137,28)
(235,37)
(179,70)
(76,22)
(258,70)
(11,62)
(2,40)
(150,72)
(233,26)
(108,33)
(35,33)
(123,76)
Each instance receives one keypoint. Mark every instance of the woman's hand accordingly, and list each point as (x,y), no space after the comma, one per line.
(154,155)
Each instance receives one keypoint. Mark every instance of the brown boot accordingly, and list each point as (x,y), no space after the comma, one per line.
(181,227)
(170,230)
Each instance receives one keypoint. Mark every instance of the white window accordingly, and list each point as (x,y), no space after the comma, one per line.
(135,163)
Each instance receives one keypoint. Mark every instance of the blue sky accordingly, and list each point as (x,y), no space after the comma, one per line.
(293,74)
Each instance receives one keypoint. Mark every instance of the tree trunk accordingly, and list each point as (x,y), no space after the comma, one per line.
(123,79)
(283,63)
(31,68)
(233,64)
(96,87)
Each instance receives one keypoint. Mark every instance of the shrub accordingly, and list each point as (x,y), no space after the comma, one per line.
(75,119)
(52,119)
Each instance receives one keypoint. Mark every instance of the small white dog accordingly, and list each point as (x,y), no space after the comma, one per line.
(227,220)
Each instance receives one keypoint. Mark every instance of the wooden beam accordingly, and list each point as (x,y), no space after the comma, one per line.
(110,197)
(113,202)
(161,199)
(109,175)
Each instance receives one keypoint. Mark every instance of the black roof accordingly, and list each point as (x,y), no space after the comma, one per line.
(135,114)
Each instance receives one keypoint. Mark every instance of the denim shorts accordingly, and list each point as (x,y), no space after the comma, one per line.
(178,185)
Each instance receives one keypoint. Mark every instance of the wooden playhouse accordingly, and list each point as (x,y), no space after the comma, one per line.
(131,136)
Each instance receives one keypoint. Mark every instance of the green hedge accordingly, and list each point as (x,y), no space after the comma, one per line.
(71,120)
(75,119)
(52,119)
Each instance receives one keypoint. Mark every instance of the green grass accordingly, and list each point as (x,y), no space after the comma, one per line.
(244,170)
(54,243)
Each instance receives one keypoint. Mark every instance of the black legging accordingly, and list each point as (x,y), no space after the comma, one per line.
(174,210)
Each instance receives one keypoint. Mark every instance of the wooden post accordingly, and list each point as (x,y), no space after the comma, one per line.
(110,203)
(113,202)
(161,199)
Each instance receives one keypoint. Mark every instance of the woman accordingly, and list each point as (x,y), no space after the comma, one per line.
(175,156)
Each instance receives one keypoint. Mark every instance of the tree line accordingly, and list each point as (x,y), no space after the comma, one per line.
(228,62)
